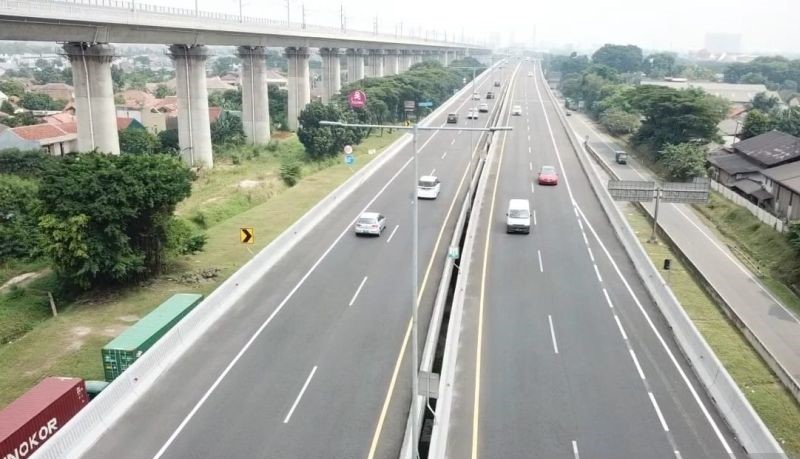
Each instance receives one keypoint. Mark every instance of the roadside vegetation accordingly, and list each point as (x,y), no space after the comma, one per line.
(765,392)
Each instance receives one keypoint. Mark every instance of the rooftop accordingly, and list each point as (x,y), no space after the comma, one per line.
(44,132)
(733,163)
(787,175)
(770,149)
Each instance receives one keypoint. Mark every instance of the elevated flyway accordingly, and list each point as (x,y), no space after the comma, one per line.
(314,361)
(562,353)
(135,22)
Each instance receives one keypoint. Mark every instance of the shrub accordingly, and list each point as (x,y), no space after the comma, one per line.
(290,172)
(182,239)
(18,216)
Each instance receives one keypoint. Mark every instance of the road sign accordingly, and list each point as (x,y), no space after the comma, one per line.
(409,105)
(695,192)
(453,252)
(632,190)
(247,235)
(349,160)
(425,104)
(357,99)
(348,150)
(429,384)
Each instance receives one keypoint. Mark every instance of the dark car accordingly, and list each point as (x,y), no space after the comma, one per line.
(496,84)
(452,118)
(490,95)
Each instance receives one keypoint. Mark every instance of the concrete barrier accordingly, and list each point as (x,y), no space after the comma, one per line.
(745,423)
(78,435)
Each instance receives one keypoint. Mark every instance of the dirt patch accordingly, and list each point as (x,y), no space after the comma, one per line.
(248,184)
(77,337)
(114,330)
(215,199)
(23,279)
(129,319)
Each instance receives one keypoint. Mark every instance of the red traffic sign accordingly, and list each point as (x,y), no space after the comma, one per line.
(357,99)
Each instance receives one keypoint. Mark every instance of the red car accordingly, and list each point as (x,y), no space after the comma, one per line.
(548,176)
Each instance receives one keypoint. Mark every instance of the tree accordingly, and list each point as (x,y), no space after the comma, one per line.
(141,61)
(683,161)
(169,141)
(163,91)
(659,65)
(278,101)
(25,163)
(625,59)
(134,141)
(18,217)
(788,121)
(765,102)
(321,141)
(227,129)
(105,218)
(230,99)
(38,101)
(753,78)
(223,65)
(756,123)
(618,122)
(20,119)
(7,108)
(12,88)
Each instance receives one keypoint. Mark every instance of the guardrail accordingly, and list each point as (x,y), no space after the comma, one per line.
(745,423)
(82,431)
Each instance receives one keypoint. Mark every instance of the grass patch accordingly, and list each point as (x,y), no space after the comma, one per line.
(765,251)
(69,345)
(776,406)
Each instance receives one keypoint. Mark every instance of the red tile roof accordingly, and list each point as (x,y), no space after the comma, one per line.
(40,132)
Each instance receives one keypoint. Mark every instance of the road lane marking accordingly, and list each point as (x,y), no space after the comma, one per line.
(530,166)
(534,217)
(552,333)
(392,235)
(585,239)
(575,450)
(677,454)
(533,188)
(658,411)
(541,267)
(597,271)
(358,290)
(581,225)
(300,395)
(529,139)
(444,154)
(608,298)
(621,330)
(454,140)
(591,255)
(433,171)
(529,150)
(636,362)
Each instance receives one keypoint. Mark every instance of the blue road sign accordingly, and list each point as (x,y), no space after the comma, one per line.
(349,160)
(425,104)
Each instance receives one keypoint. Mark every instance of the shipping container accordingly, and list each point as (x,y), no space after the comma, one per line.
(38,414)
(126,348)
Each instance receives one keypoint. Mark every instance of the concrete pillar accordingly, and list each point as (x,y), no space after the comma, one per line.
(255,98)
(391,62)
(331,72)
(446,58)
(405,60)
(420,56)
(94,96)
(375,60)
(194,129)
(299,84)
(355,65)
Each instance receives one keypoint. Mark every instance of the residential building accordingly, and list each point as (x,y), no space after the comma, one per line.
(54,139)
(741,166)
(784,184)
(57,91)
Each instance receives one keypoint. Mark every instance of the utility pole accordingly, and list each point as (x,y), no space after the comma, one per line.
(341,16)
(288,13)
(303,12)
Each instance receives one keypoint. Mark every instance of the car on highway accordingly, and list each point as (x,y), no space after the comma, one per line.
(518,217)
(496,84)
(483,108)
(370,223)
(530,73)
(548,176)
(452,118)
(516,110)
(490,95)
(476,96)
(428,187)
(472,114)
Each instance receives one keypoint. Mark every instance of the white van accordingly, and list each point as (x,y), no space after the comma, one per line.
(428,187)
(518,217)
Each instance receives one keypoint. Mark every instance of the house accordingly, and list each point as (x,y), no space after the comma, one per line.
(740,166)
(57,91)
(275,78)
(784,184)
(54,139)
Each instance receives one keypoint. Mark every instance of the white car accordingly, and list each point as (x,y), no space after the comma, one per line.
(472,114)
(483,108)
(370,223)
(476,96)
(516,110)
(530,73)
(428,187)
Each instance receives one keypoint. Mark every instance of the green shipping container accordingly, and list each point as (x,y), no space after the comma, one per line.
(120,353)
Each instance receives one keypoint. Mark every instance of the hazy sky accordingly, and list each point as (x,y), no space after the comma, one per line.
(765,25)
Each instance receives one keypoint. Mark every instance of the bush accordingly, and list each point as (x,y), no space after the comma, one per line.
(182,239)
(25,163)
(272,145)
(19,212)
(290,172)
(138,142)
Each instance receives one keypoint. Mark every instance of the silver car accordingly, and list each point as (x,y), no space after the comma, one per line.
(370,223)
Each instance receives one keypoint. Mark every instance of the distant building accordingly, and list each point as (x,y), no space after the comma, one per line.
(734,92)
(213,84)
(730,43)
(57,91)
(784,183)
(54,139)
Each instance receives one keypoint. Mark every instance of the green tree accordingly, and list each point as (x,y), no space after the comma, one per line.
(753,78)
(659,65)
(25,163)
(169,141)
(163,91)
(230,99)
(7,108)
(12,87)
(756,123)
(141,61)
(619,122)
(223,64)
(18,217)
(623,58)
(20,119)
(227,129)
(683,161)
(765,102)
(134,141)
(788,121)
(105,218)
(278,102)
(37,101)
(321,141)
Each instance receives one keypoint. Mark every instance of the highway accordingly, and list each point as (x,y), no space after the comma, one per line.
(314,361)
(562,353)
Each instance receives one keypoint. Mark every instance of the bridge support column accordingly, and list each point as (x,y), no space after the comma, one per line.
(94,96)
(255,96)
(299,84)
(375,59)
(445,58)
(405,60)
(391,62)
(331,73)
(194,130)
(355,65)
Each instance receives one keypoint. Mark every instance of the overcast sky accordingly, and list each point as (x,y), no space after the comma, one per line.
(679,25)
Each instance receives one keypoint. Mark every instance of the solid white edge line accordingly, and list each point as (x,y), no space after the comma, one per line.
(621,330)
(358,290)
(553,333)
(608,298)
(636,362)
(300,395)
(541,266)
(392,235)
(575,450)
(597,271)
(658,412)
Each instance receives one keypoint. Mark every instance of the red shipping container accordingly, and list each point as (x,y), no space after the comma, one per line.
(38,414)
